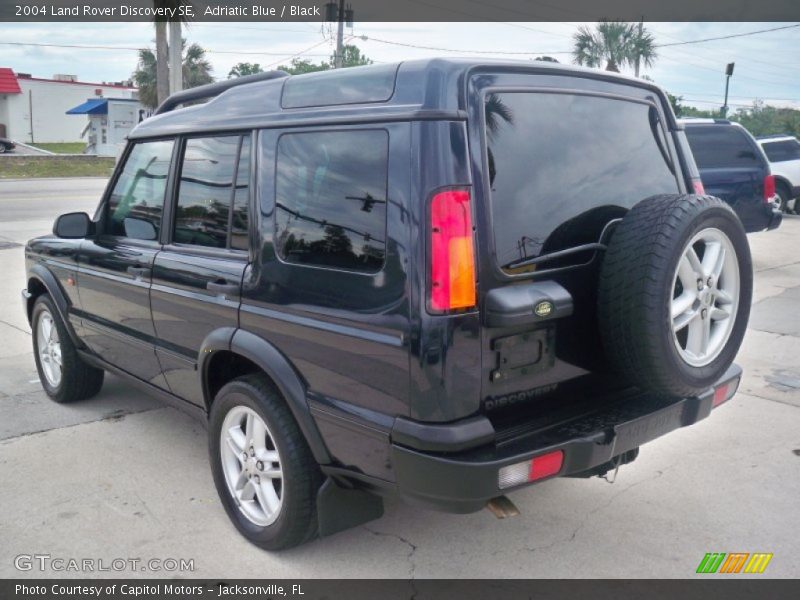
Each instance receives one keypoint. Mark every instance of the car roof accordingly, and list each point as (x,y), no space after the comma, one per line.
(778,137)
(419,89)
(704,121)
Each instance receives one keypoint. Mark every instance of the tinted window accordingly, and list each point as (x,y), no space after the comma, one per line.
(137,199)
(561,166)
(722,146)
(331,198)
(782,151)
(241,196)
(206,192)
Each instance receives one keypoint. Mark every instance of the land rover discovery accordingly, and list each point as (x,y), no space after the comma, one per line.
(440,279)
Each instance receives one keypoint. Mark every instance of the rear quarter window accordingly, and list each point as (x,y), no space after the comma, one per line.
(331,193)
(562,165)
(722,146)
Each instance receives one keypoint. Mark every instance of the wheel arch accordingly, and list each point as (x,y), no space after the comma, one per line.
(42,281)
(251,353)
(781,181)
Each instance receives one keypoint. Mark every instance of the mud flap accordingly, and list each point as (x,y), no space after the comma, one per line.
(339,508)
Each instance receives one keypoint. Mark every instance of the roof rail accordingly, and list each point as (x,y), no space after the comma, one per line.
(214,89)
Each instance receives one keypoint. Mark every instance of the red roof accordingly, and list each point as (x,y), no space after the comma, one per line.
(8,82)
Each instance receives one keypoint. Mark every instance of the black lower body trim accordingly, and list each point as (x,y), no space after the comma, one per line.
(193,410)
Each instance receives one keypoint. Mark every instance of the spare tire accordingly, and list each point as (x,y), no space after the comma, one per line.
(674,294)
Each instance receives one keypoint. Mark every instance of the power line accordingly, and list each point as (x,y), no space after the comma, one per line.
(727,37)
(296,55)
(127,48)
(367,38)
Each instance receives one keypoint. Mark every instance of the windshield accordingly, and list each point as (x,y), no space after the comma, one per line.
(561,166)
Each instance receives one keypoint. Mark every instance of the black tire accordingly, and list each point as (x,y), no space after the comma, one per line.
(296,522)
(637,286)
(79,380)
(785,197)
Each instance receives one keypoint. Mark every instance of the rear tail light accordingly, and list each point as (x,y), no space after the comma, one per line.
(769,187)
(452,256)
(698,188)
(535,469)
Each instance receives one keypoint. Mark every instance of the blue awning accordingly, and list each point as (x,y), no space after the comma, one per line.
(95,106)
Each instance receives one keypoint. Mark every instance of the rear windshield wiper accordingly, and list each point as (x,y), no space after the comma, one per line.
(605,235)
(524,262)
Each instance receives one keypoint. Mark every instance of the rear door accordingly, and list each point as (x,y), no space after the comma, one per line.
(732,167)
(197,276)
(557,167)
(115,267)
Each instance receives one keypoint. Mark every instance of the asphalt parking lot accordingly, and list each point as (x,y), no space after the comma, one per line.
(120,476)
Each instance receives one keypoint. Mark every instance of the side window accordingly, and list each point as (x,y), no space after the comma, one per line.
(331,198)
(205,191)
(137,200)
(240,220)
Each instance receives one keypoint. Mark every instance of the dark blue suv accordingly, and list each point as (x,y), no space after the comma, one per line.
(733,167)
(442,280)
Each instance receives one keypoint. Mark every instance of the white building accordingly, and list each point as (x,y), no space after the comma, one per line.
(110,122)
(34,110)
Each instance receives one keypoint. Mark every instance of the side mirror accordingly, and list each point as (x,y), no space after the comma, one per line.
(73,225)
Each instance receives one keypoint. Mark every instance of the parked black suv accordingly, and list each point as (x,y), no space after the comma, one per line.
(441,279)
(733,167)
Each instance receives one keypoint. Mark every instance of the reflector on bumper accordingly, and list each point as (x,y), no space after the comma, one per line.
(534,469)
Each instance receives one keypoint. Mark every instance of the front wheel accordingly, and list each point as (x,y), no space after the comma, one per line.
(675,290)
(263,469)
(64,376)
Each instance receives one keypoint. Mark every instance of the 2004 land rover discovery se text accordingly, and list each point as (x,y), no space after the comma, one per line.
(441,279)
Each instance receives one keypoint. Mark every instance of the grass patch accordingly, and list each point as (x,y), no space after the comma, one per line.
(63,147)
(24,167)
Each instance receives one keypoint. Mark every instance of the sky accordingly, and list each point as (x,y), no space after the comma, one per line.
(767,64)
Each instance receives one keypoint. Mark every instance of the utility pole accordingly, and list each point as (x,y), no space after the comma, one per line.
(343,16)
(162,66)
(339,60)
(175,62)
(638,55)
(728,74)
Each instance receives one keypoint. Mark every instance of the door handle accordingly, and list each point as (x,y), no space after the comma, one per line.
(223,288)
(140,271)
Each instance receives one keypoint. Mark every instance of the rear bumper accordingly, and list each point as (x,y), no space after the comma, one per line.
(464,481)
(775,220)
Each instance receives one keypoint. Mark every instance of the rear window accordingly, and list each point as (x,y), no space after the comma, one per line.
(722,146)
(782,151)
(561,166)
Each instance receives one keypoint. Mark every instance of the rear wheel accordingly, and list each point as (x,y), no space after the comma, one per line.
(783,197)
(675,291)
(64,376)
(264,471)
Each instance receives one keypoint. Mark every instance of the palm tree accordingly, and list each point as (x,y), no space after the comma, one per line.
(196,71)
(616,43)
(145,78)
(495,111)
